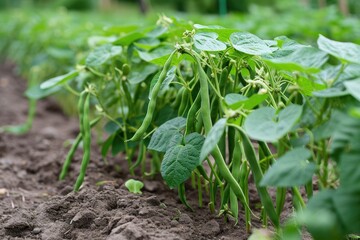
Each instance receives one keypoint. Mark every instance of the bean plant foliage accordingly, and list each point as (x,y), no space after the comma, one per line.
(220,106)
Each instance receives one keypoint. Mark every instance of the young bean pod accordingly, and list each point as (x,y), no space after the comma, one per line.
(152,104)
(86,133)
(205,113)
(257,173)
(72,150)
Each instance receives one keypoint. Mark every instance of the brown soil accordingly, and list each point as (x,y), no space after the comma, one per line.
(35,205)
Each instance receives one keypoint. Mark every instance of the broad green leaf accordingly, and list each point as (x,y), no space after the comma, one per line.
(156,56)
(147,43)
(59,80)
(167,133)
(140,72)
(249,44)
(292,169)
(102,54)
(129,38)
(213,138)
(320,216)
(347,197)
(336,91)
(35,92)
(348,129)
(180,160)
(347,203)
(302,59)
(134,186)
(95,41)
(223,33)
(208,42)
(353,87)
(346,51)
(265,124)
(236,101)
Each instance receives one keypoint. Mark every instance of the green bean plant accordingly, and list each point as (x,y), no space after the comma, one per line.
(225,109)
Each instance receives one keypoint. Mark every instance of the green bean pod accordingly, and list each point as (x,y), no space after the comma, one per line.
(257,173)
(235,170)
(152,104)
(191,116)
(216,153)
(72,150)
(86,133)
(223,80)
(182,196)
(140,157)
(184,102)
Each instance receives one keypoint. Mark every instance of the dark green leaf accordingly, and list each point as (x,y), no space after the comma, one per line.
(180,160)
(141,72)
(167,133)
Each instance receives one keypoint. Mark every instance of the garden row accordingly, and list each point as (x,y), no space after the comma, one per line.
(215,105)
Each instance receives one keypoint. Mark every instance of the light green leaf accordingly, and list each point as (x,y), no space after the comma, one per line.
(347,204)
(208,42)
(59,80)
(223,33)
(147,43)
(129,38)
(345,51)
(302,59)
(134,186)
(249,44)
(292,169)
(236,101)
(353,87)
(35,92)
(102,54)
(156,56)
(167,134)
(213,138)
(335,91)
(180,160)
(140,72)
(265,124)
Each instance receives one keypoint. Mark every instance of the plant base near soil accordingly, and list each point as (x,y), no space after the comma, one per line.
(35,205)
